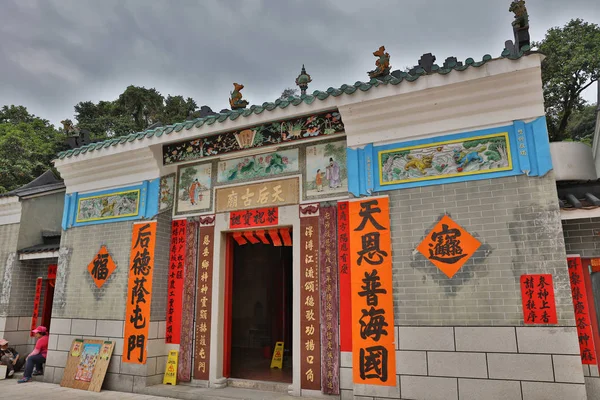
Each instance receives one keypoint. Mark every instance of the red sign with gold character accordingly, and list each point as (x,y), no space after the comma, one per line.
(101,267)
(373,348)
(176,270)
(139,292)
(254,218)
(582,312)
(537,293)
(448,246)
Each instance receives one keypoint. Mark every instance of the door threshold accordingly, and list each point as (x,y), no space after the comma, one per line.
(265,386)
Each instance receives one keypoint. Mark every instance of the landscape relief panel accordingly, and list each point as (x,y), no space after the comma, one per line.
(478,155)
(194,188)
(111,205)
(326,171)
(258,166)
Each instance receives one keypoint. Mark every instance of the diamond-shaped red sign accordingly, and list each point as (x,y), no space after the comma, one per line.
(448,246)
(101,267)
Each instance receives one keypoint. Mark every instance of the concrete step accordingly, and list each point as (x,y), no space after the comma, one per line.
(264,386)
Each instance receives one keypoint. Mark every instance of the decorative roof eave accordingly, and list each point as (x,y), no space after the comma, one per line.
(280,109)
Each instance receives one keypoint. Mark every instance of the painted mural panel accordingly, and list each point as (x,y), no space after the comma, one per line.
(326,171)
(167,192)
(193,188)
(107,206)
(445,159)
(258,166)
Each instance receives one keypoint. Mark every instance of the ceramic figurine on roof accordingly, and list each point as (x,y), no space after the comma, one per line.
(382,64)
(236,101)
(68,126)
(303,80)
(521,17)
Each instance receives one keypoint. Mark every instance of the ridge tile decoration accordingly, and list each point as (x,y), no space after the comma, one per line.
(108,206)
(581,306)
(204,301)
(310,320)
(101,267)
(275,133)
(448,246)
(445,159)
(139,292)
(175,285)
(537,293)
(258,166)
(373,339)
(194,183)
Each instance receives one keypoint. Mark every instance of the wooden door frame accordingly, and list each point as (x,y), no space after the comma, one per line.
(228,302)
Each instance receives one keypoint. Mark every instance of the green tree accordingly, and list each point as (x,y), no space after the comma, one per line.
(572,64)
(582,124)
(143,105)
(178,109)
(288,93)
(27,146)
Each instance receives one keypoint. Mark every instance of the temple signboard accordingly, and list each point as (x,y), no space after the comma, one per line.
(258,195)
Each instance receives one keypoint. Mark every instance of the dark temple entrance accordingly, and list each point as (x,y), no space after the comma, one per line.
(261,310)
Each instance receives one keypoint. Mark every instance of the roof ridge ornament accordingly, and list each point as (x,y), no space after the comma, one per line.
(235,101)
(303,80)
(522,42)
(382,64)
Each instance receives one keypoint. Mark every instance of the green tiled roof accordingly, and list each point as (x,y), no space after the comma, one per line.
(290,101)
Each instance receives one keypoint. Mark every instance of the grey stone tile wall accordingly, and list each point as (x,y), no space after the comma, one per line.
(516,219)
(22,292)
(160,280)
(9,236)
(582,236)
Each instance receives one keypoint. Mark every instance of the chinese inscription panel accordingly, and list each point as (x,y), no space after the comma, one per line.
(345,276)
(139,292)
(266,194)
(175,285)
(184,370)
(204,303)
(373,348)
(537,293)
(583,321)
(254,218)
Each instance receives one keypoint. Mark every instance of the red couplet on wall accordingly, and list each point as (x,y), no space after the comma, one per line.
(537,293)
(582,313)
(36,304)
(176,272)
(344,282)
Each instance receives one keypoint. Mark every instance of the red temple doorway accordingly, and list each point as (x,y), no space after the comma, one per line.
(258,304)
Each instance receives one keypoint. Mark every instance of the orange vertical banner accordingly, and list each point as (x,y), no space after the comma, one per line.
(139,292)
(373,348)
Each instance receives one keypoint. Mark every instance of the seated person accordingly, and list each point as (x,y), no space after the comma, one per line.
(38,356)
(10,357)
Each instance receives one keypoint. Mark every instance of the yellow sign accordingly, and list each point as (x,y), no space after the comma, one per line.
(258,195)
(171,370)
(277,361)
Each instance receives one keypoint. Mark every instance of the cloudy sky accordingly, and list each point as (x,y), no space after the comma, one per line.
(55,53)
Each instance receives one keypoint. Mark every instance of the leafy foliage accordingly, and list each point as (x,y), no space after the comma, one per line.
(288,93)
(27,146)
(572,64)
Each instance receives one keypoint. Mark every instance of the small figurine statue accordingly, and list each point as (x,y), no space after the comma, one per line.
(68,126)
(521,17)
(382,65)
(236,101)
(303,80)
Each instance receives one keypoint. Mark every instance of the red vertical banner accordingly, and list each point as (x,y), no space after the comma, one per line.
(36,305)
(139,293)
(344,272)
(537,294)
(184,369)
(330,355)
(204,301)
(373,347)
(582,313)
(588,270)
(176,271)
(310,325)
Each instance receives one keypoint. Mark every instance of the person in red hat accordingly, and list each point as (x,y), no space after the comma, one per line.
(10,357)
(38,356)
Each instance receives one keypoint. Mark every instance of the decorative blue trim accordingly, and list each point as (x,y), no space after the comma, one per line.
(147,207)
(529,152)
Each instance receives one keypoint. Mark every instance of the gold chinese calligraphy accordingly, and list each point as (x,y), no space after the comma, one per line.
(271,193)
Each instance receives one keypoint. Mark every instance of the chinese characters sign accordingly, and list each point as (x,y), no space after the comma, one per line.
(254,218)
(329,302)
(374,356)
(36,305)
(448,246)
(537,293)
(176,270)
(184,371)
(310,363)
(344,271)
(139,292)
(265,194)
(204,302)
(582,313)
(101,267)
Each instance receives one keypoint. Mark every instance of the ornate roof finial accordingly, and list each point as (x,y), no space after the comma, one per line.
(235,101)
(520,24)
(303,80)
(382,65)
